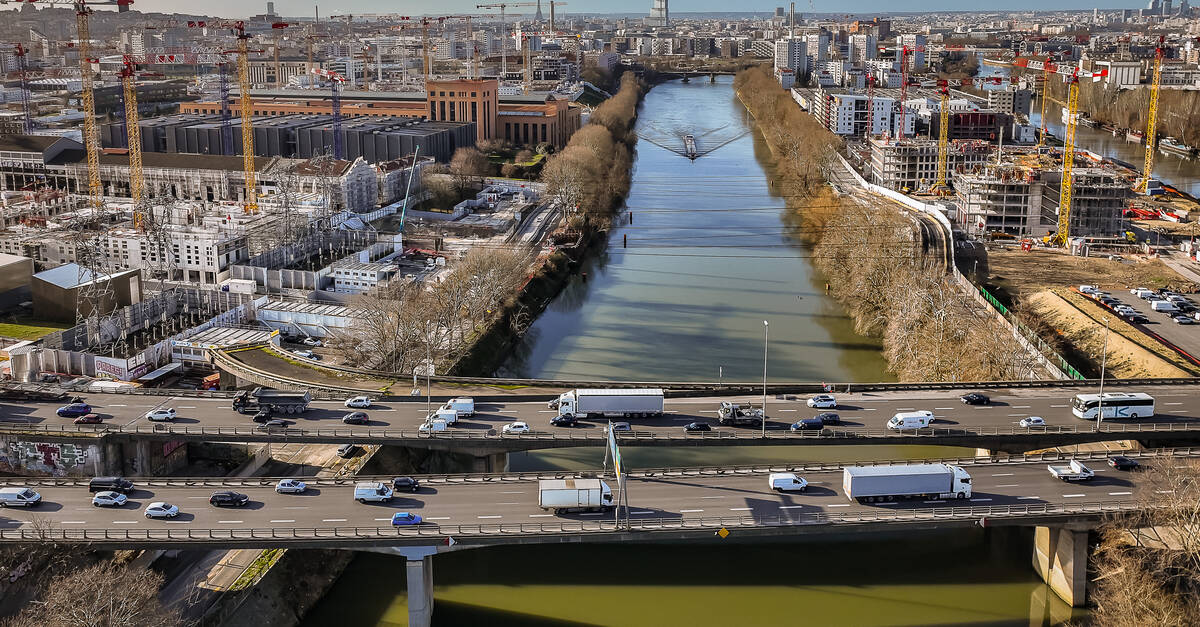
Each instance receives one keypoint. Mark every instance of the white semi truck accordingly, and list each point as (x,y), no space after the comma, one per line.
(562,495)
(868,484)
(638,403)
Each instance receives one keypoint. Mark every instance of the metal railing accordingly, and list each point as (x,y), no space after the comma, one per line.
(645,473)
(352,534)
(595,436)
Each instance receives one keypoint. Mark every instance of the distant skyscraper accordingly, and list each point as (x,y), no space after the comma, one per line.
(538,17)
(660,15)
(270,8)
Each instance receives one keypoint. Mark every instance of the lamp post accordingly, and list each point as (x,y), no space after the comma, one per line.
(766,330)
(1103,365)
(428,367)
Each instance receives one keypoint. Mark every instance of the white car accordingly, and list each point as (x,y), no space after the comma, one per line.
(290,486)
(109,499)
(1033,421)
(516,427)
(822,401)
(311,341)
(361,402)
(161,415)
(305,354)
(159,509)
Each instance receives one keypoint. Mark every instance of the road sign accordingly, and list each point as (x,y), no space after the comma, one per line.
(723,532)
(450,541)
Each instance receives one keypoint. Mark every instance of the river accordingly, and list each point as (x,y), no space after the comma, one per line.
(709,258)
(667,308)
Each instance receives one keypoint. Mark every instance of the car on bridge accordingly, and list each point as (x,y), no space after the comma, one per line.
(787,482)
(564,421)
(358,402)
(161,509)
(88,419)
(74,410)
(356,418)
(405,484)
(166,414)
(1120,462)
(404,519)
(822,401)
(828,418)
(274,423)
(262,415)
(515,428)
(228,498)
(109,498)
(975,398)
(697,427)
(1033,421)
(808,424)
(619,426)
(291,486)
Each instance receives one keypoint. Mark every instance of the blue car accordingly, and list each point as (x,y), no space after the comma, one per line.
(74,410)
(403,519)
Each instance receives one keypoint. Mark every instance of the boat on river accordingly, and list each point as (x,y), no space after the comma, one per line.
(689,147)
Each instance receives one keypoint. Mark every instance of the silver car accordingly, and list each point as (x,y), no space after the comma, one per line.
(159,509)
(290,486)
(109,498)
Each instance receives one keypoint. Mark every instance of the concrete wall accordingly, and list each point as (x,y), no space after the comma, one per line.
(22,455)
(1060,558)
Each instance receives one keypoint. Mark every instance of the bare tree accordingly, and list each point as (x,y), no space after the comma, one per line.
(103,595)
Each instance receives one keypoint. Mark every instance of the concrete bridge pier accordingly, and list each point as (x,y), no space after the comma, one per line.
(490,462)
(1060,557)
(418,567)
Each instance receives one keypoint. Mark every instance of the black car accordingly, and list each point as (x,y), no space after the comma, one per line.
(273,423)
(1139,318)
(405,484)
(228,498)
(110,484)
(262,415)
(564,421)
(693,427)
(975,398)
(806,425)
(1120,462)
(828,418)
(356,418)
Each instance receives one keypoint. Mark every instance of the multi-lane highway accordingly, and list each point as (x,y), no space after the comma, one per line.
(471,506)
(863,416)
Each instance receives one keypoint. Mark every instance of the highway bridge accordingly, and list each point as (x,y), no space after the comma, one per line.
(713,504)
(994,427)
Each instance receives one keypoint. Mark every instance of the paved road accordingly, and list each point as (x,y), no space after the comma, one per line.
(515,501)
(859,412)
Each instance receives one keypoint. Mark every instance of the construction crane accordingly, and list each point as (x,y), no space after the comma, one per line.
(1152,120)
(1063,233)
(23,71)
(504,27)
(137,182)
(904,52)
(336,81)
(940,185)
(870,130)
(91,140)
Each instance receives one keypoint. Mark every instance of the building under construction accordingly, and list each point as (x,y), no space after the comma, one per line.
(910,165)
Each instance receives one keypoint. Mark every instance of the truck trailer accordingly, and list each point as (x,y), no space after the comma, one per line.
(868,484)
(276,401)
(641,403)
(563,495)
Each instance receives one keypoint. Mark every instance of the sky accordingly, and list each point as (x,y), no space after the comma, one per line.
(243,8)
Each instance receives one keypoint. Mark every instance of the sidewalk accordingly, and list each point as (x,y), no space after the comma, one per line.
(1186,269)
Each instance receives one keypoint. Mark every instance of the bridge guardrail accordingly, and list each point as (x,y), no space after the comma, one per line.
(491,436)
(285,535)
(447,479)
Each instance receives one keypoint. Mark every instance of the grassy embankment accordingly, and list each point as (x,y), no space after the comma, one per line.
(872,257)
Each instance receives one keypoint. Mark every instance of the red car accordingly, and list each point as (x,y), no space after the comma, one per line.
(89,419)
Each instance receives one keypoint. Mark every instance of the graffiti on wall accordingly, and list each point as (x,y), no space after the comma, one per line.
(50,457)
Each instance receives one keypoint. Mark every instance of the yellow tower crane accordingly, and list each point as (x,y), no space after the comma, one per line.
(137,182)
(247,113)
(91,140)
(940,186)
(1061,236)
(1152,119)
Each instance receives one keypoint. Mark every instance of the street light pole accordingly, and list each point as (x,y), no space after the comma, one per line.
(766,330)
(1103,365)
(428,367)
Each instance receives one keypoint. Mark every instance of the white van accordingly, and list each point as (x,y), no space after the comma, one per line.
(432,425)
(1089,289)
(463,405)
(911,420)
(372,491)
(786,482)
(1145,294)
(1163,306)
(448,416)
(19,497)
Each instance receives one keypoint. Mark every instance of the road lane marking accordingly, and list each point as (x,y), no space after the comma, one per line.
(125,522)
(1003,474)
(296,507)
(1016,414)
(789,410)
(178,522)
(790,506)
(117,405)
(935,501)
(641,513)
(73,522)
(838,505)
(1027,498)
(187,407)
(690,511)
(1009,485)
(1119,493)
(1020,406)
(382,519)
(284,521)
(507,411)
(1073,496)
(488,516)
(591,514)
(739,509)
(547,411)
(983,408)
(708,411)
(1176,411)
(507,503)
(230,522)
(906,409)
(531,516)
(942,408)
(871,409)
(1172,403)
(197,497)
(517,492)
(437,518)
(980,500)
(712,497)
(333,520)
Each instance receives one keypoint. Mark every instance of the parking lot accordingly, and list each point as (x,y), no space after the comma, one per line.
(1184,336)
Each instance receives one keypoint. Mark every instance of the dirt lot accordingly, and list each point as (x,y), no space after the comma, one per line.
(1021,274)
(1131,353)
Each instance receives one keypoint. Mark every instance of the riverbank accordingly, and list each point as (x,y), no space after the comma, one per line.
(873,258)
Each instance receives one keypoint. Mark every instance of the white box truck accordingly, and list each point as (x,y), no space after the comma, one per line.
(638,403)
(563,495)
(868,484)
(463,405)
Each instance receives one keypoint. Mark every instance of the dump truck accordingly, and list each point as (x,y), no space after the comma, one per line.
(275,401)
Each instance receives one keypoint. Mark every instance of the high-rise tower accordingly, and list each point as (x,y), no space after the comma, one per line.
(660,15)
